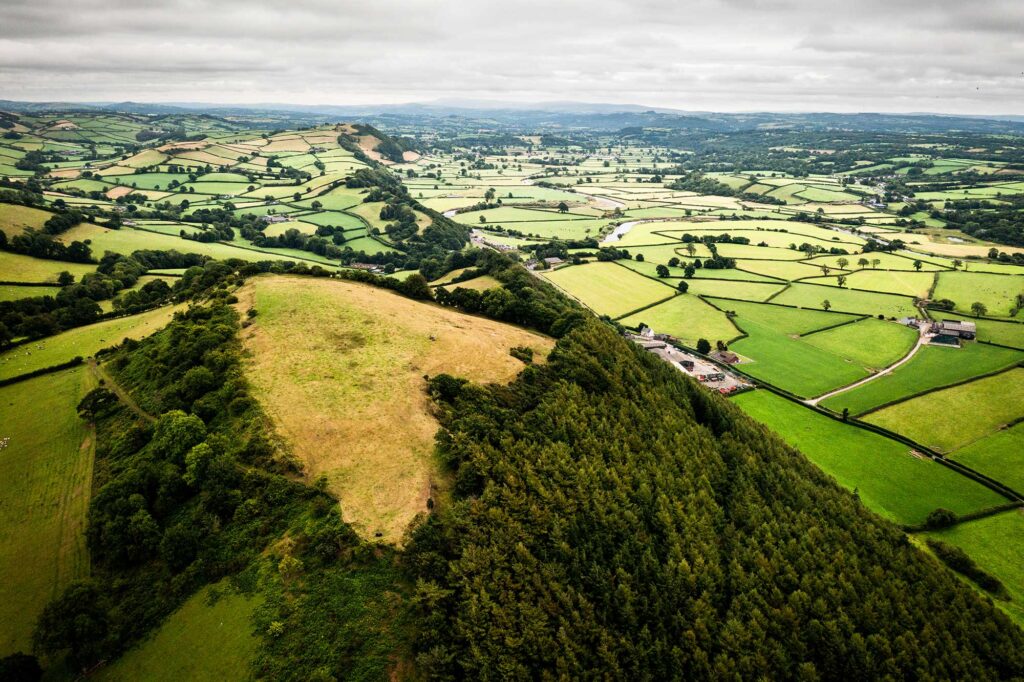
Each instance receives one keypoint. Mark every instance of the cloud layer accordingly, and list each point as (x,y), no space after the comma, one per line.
(786,55)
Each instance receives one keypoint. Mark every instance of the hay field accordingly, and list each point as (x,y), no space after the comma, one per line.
(339,368)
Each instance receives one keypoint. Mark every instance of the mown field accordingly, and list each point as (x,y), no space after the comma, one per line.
(339,367)
(887,477)
(45,480)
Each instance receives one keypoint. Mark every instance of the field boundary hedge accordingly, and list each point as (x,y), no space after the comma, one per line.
(835,326)
(74,362)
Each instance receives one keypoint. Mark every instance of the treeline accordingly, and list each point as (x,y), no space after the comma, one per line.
(612,519)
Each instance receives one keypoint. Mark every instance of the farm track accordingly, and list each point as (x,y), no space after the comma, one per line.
(102,375)
(888,370)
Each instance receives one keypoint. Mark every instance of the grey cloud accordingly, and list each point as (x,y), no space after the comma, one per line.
(702,54)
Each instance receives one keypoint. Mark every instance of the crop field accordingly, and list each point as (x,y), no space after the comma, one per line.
(82,341)
(888,478)
(201,640)
(931,367)
(608,288)
(1000,455)
(995,543)
(45,474)
(954,417)
(687,318)
(337,365)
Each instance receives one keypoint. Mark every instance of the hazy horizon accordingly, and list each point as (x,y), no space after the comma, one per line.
(711,55)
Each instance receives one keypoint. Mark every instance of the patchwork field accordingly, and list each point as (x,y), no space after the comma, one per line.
(887,477)
(997,292)
(45,474)
(954,417)
(339,367)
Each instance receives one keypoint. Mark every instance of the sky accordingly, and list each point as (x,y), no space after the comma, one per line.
(941,56)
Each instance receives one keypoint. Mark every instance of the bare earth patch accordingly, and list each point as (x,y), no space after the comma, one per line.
(340,367)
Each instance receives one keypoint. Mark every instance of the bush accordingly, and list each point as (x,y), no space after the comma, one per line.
(940,518)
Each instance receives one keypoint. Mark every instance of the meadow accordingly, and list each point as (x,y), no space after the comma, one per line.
(997,292)
(886,476)
(46,473)
(337,365)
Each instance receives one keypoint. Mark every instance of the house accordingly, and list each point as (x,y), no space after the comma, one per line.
(275,219)
(961,329)
(369,267)
(553,261)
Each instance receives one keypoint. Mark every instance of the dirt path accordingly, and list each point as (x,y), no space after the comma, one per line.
(123,395)
(887,370)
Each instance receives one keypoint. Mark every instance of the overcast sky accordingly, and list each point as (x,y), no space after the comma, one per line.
(954,56)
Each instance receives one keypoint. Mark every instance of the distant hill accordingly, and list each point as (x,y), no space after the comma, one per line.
(559,115)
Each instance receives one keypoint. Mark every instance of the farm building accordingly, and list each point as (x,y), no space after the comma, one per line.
(960,329)
(275,219)
(725,357)
(553,261)
(369,267)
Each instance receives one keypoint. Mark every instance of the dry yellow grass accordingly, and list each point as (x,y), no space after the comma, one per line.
(339,368)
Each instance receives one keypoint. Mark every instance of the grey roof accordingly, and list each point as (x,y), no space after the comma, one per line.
(958,326)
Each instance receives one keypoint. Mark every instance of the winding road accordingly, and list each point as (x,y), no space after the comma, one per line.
(921,339)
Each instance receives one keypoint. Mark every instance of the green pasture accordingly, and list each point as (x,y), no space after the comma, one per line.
(748,291)
(45,476)
(931,367)
(782,319)
(1003,333)
(957,416)
(996,543)
(10,292)
(81,341)
(887,477)
(790,363)
(18,268)
(871,343)
(885,281)
(209,638)
(1000,455)
(847,300)
(997,292)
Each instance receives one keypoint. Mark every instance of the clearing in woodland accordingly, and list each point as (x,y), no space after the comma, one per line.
(340,367)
